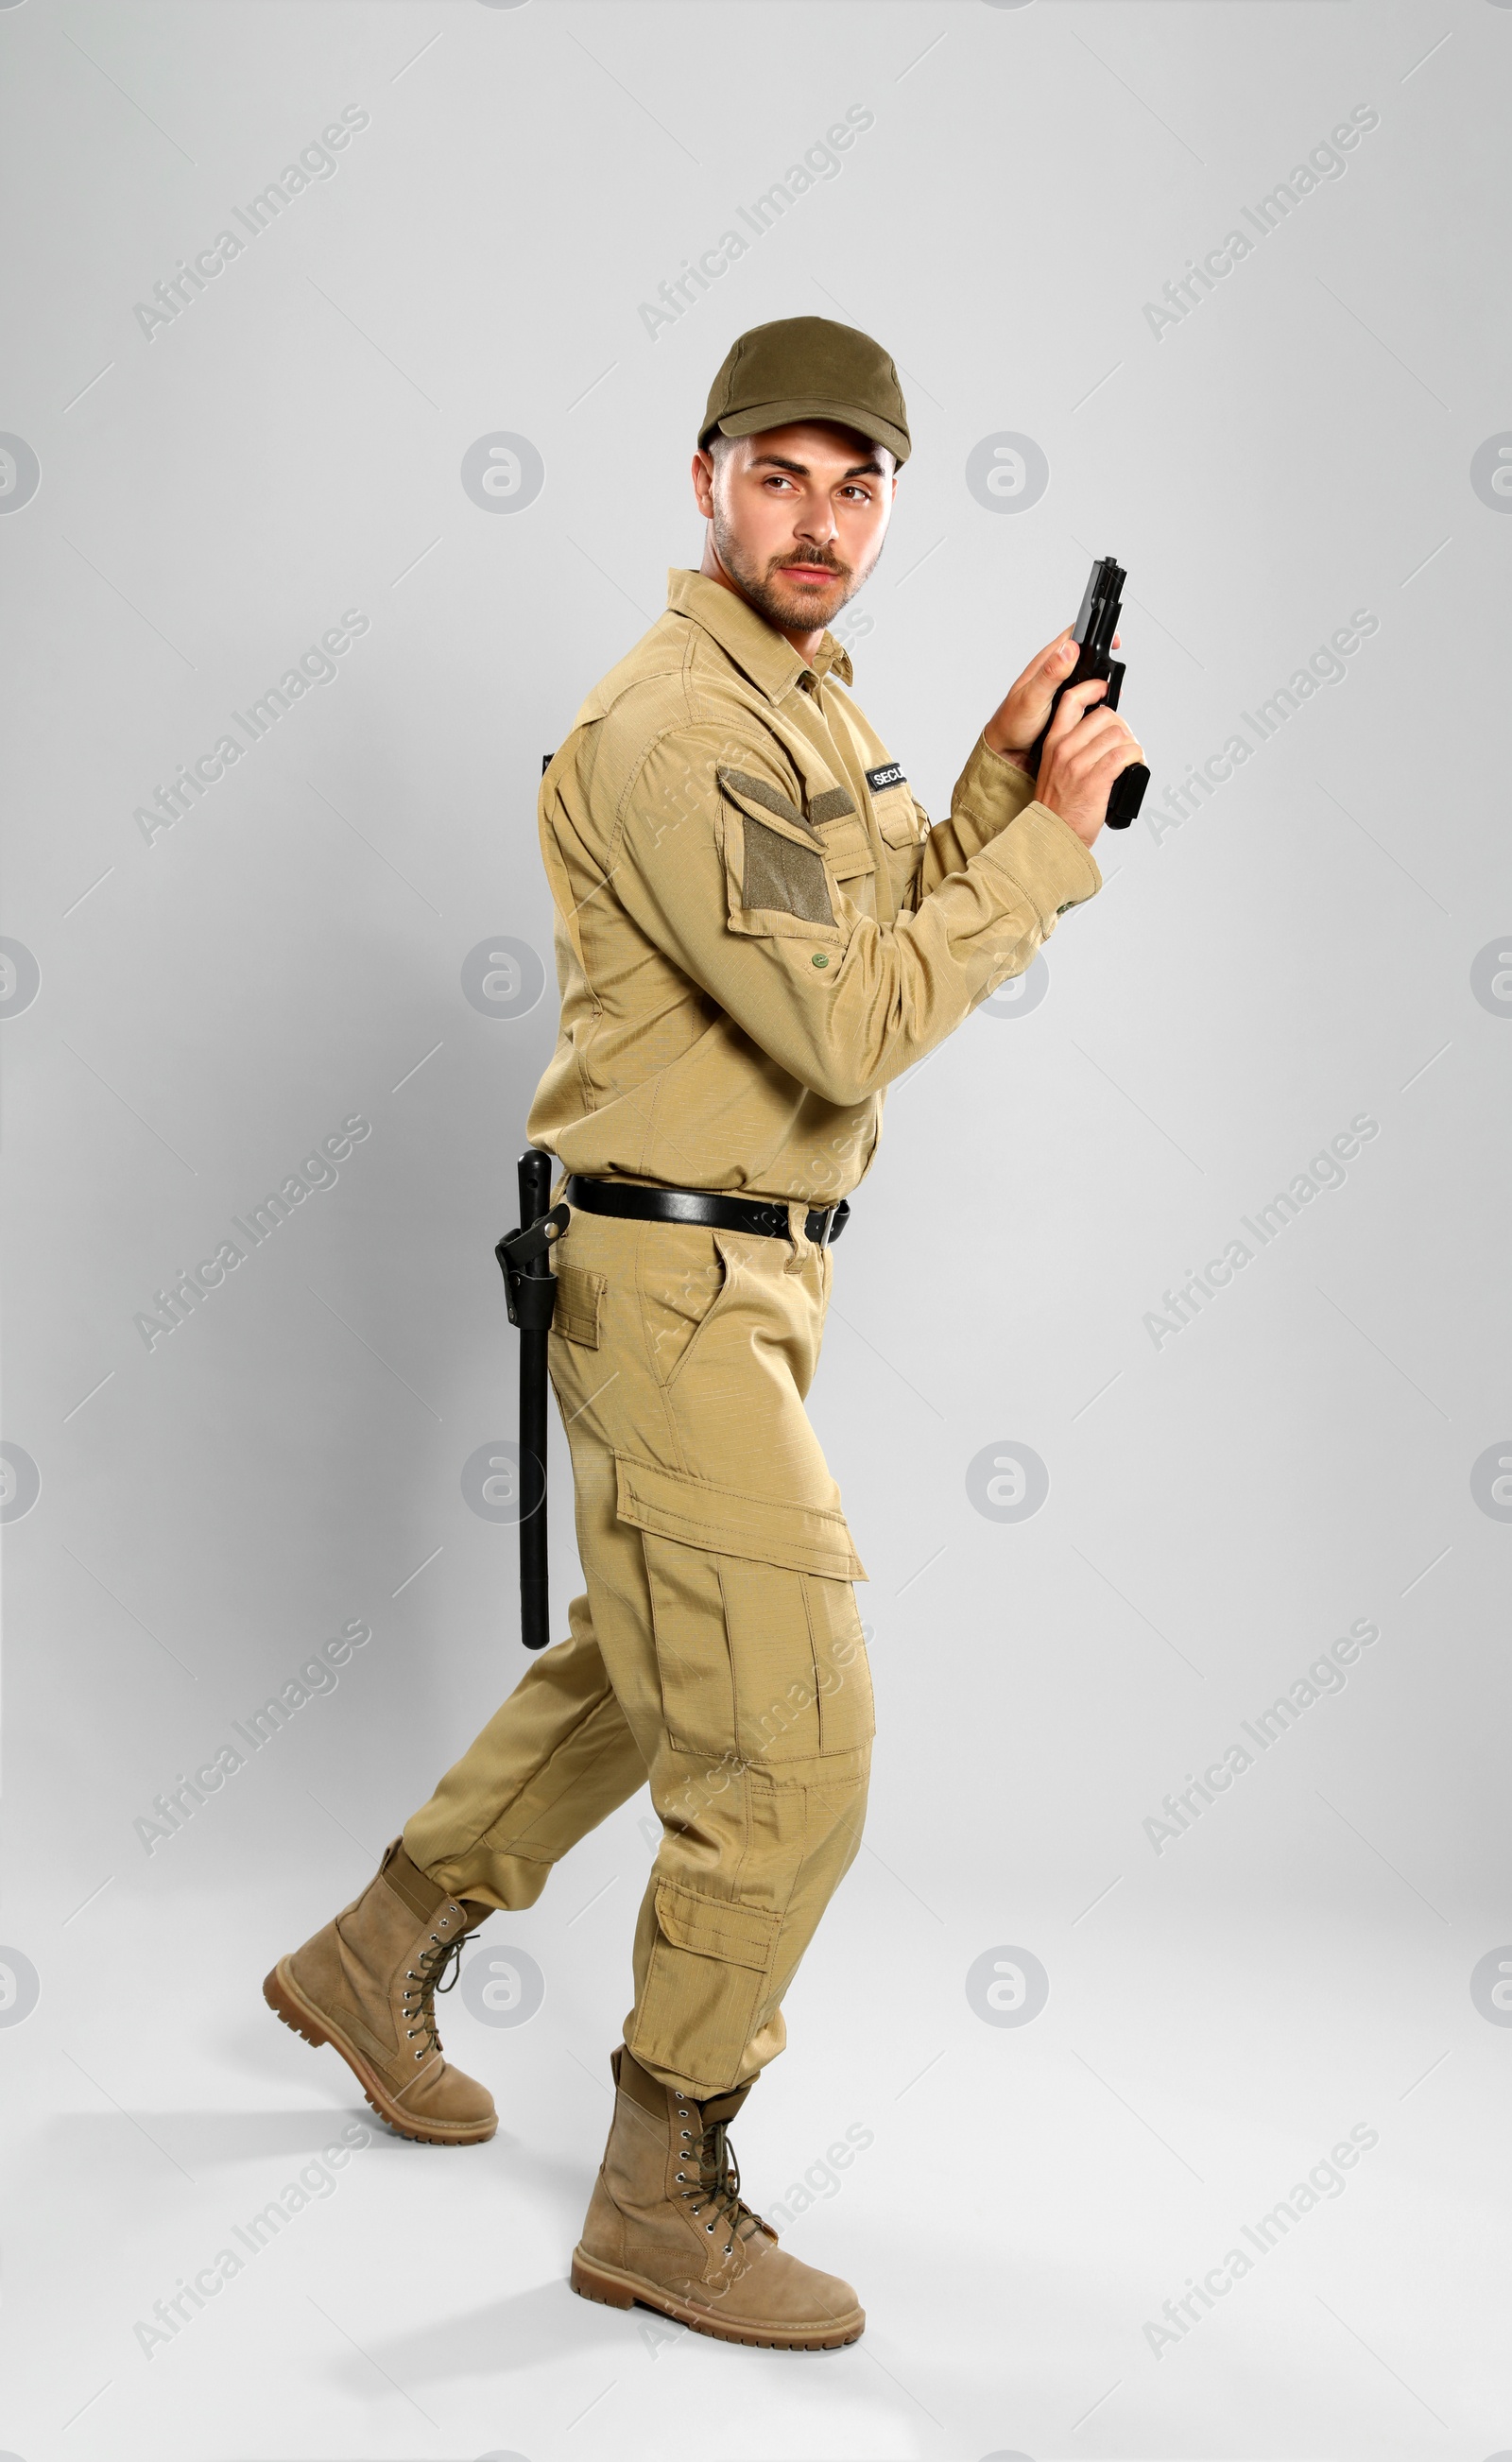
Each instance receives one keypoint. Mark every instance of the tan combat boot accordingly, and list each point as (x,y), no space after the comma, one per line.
(367,1985)
(667,2227)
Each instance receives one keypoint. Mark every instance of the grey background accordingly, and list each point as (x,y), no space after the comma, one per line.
(1219,1508)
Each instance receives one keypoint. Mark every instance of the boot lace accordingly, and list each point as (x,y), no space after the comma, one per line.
(717,2187)
(424,1982)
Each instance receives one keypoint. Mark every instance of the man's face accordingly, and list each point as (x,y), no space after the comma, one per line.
(798,516)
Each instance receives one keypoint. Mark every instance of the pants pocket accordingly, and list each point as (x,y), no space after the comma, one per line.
(759,1646)
(683,1275)
(706,1975)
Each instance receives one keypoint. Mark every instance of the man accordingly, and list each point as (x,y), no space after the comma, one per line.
(756,930)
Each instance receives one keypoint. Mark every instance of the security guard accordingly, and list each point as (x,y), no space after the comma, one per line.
(757,929)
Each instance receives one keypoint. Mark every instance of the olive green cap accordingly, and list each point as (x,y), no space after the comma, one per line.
(809,367)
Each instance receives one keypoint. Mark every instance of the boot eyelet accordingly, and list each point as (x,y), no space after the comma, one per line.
(708,2227)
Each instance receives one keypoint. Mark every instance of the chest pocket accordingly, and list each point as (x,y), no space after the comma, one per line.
(847,849)
(903,828)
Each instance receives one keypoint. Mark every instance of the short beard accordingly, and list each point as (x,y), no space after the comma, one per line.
(784,606)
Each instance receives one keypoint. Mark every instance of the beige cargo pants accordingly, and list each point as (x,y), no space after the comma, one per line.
(717,1652)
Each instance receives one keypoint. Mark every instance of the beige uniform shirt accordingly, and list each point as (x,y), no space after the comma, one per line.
(756,928)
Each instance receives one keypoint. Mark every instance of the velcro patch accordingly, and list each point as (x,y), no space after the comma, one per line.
(782,876)
(890,774)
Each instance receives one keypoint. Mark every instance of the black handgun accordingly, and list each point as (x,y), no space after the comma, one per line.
(1094,632)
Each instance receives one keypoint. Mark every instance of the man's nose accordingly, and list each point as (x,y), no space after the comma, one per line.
(816,520)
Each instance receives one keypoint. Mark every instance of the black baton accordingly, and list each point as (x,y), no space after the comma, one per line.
(530,1290)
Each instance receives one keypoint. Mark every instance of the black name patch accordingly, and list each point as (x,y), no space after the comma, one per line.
(890,774)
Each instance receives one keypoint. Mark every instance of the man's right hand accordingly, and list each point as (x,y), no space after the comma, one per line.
(1083,752)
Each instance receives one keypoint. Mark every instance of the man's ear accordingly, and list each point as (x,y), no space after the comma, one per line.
(702,476)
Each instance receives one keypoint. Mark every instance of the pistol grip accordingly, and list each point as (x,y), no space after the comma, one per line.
(1127,795)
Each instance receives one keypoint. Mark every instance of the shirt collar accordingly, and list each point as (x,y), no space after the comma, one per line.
(772,662)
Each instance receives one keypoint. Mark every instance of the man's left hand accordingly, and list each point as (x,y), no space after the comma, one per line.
(1016,724)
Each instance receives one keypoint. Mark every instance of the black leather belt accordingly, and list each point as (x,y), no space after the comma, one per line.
(823,1224)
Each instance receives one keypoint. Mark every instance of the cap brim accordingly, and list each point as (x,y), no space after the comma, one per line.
(837,413)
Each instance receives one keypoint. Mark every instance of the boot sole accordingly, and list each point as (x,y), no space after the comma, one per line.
(286,2001)
(592,2279)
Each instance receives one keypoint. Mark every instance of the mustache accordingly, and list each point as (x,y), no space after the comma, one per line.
(821,563)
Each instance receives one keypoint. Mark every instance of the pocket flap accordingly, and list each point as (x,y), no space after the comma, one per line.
(716,1928)
(765,802)
(848,849)
(897,817)
(805,1538)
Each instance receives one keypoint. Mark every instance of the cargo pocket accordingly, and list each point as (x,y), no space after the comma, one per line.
(707,1975)
(759,1646)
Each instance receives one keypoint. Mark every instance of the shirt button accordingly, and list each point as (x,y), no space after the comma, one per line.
(819,961)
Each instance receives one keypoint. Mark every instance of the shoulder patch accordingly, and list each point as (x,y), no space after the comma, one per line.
(833,804)
(890,774)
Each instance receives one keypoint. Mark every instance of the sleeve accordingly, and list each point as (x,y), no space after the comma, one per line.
(717,864)
(989,793)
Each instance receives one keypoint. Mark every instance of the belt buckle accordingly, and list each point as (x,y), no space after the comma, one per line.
(828,1212)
